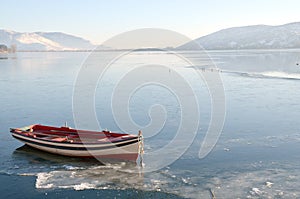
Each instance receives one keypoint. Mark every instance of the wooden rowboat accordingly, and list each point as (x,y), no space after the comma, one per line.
(80,143)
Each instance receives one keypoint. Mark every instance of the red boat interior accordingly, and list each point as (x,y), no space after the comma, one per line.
(67,134)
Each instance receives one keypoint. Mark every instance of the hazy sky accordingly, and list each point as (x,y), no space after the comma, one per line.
(98,20)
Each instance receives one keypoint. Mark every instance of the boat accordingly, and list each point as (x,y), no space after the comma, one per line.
(71,142)
(3,55)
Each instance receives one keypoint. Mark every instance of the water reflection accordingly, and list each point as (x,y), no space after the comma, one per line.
(33,155)
(54,171)
(257,60)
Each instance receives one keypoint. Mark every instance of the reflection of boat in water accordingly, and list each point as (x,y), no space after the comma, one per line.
(32,155)
(80,143)
(55,171)
(3,52)
(3,55)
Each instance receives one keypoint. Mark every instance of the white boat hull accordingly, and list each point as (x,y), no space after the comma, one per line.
(126,150)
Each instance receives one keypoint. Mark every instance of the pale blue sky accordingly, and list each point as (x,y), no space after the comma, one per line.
(98,20)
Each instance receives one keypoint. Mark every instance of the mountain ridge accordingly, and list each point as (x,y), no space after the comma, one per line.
(250,37)
(44,41)
(233,38)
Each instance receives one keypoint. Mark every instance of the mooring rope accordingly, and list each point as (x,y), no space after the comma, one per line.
(141,147)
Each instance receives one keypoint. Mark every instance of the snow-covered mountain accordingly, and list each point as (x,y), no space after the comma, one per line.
(251,37)
(44,41)
(247,37)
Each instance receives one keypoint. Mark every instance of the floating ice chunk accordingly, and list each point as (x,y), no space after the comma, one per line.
(280,193)
(269,184)
(184,180)
(41,181)
(69,167)
(255,191)
(27,174)
(84,186)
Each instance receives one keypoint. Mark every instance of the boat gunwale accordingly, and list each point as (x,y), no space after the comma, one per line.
(77,143)
(46,131)
(72,147)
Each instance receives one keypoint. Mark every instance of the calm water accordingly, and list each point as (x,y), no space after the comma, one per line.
(257,155)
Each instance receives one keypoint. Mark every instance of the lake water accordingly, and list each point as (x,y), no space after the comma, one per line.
(256,156)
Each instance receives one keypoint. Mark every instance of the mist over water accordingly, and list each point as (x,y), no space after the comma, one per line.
(257,155)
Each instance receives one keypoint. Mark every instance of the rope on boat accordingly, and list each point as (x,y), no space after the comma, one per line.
(141,147)
(212,194)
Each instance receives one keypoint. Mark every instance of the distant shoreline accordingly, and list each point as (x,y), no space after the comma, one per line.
(154,50)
